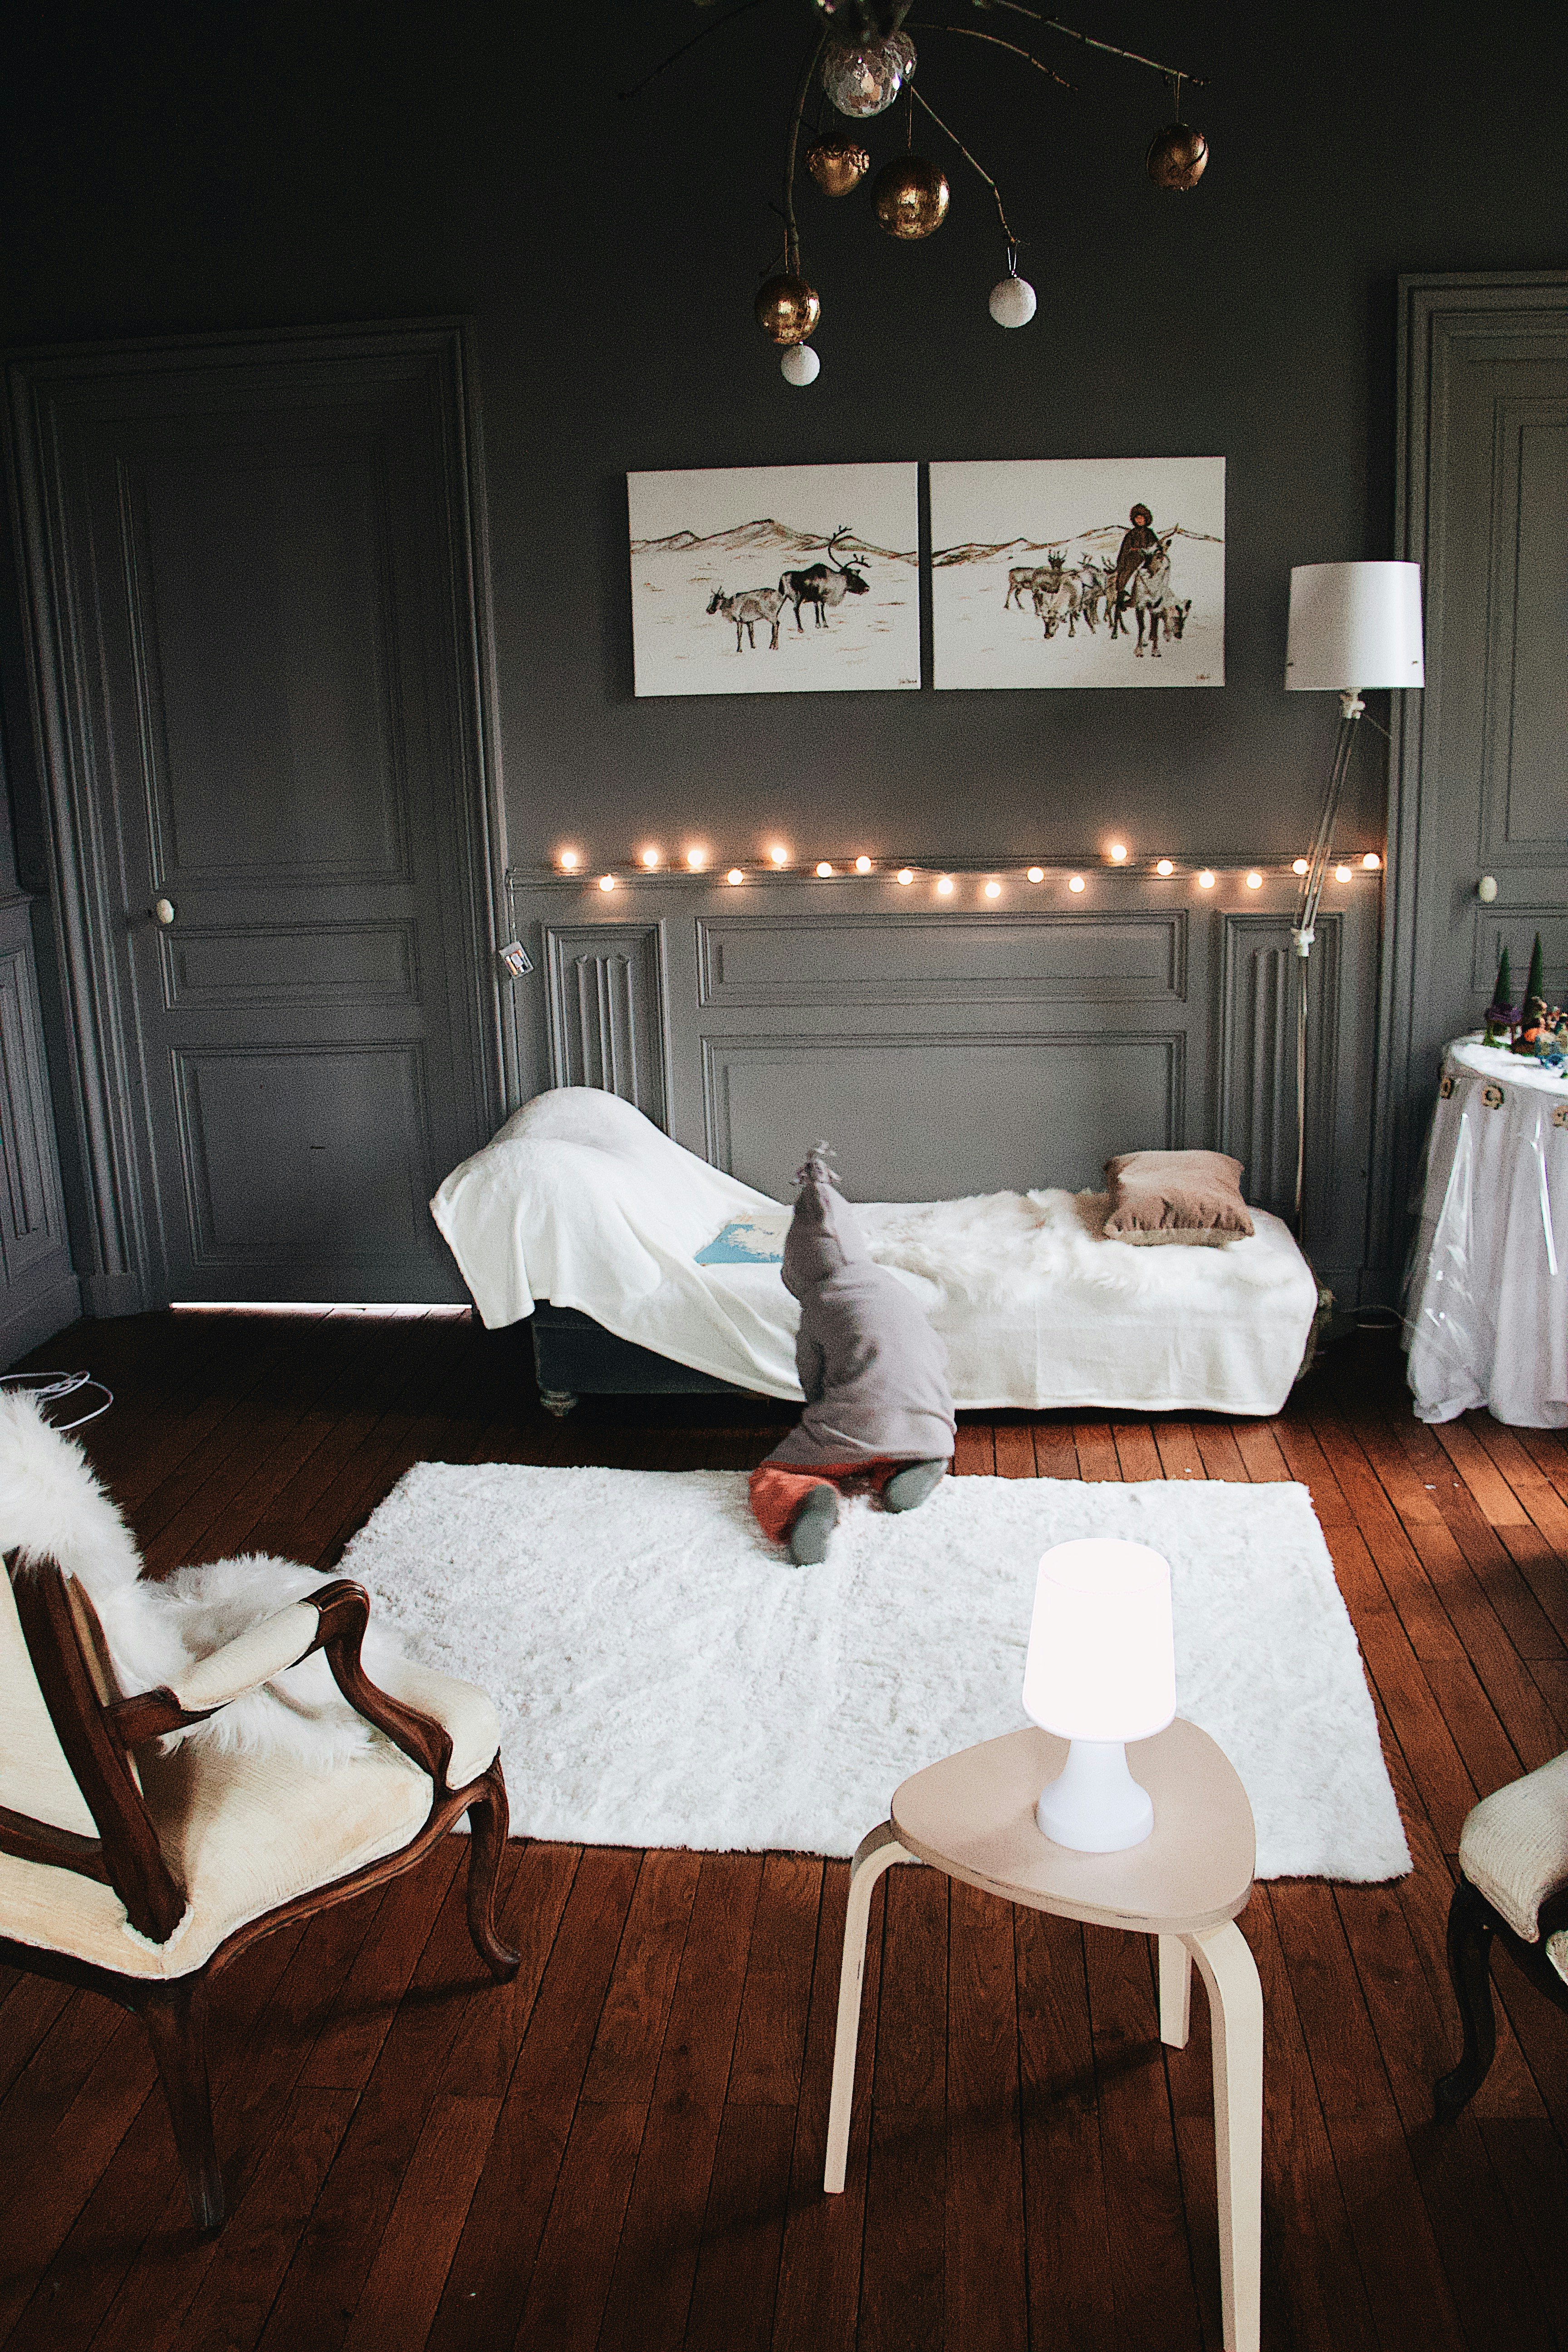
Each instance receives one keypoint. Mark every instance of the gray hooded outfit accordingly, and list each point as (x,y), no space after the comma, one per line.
(873,1370)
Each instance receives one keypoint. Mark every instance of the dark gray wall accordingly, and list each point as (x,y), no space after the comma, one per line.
(184,167)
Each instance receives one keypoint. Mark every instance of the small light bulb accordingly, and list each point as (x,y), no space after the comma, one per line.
(734,875)
(1076,882)
(779,854)
(944,887)
(1037,873)
(992,890)
(1164,867)
(569,861)
(651,858)
(1298,866)
(1371,862)
(825,869)
(697,859)
(1118,852)
(1206,880)
(862,866)
(606,881)
(1255,881)
(1341,874)
(906,875)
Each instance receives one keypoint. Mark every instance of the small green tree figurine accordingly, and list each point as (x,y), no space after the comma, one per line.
(1535,1007)
(1503,1013)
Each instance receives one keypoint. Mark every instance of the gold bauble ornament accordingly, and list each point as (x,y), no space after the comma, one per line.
(1177,157)
(912,197)
(788,309)
(836,164)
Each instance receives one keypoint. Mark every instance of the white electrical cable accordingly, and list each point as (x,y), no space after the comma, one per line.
(47,1387)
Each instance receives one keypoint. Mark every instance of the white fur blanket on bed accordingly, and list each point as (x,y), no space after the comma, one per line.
(582,1200)
(51,1503)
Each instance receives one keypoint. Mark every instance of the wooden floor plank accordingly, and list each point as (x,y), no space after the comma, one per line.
(985,2280)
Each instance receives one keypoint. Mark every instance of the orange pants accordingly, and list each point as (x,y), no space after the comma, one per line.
(778,1489)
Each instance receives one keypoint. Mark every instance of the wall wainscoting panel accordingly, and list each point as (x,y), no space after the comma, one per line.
(948,1048)
(606,995)
(766,960)
(936,1115)
(39,1291)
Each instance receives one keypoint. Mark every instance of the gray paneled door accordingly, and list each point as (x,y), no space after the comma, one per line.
(1483,770)
(253,596)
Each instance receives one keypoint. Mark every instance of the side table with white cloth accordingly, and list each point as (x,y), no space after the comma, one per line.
(1487,1294)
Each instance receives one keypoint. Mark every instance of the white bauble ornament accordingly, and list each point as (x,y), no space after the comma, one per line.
(800,364)
(1013,301)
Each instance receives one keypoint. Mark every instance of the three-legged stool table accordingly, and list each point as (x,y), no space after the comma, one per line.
(974,1817)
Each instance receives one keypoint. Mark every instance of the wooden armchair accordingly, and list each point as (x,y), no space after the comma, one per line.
(140,1874)
(1512,1891)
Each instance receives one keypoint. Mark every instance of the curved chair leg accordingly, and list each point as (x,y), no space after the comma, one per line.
(872,1857)
(175,2016)
(1471,1928)
(489,1818)
(1235,2022)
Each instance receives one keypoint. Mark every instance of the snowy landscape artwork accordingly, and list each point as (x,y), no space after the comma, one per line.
(1078,572)
(775,580)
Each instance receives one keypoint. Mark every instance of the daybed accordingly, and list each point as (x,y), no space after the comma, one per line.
(583,1202)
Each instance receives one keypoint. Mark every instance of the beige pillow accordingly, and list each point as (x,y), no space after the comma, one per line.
(1175,1196)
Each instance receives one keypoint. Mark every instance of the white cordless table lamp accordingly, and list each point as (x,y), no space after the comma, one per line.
(1100,1671)
(1353,627)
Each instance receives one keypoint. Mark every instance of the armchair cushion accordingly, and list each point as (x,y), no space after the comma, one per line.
(1513,1848)
(246,1831)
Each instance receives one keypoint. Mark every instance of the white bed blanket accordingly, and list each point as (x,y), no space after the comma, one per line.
(582,1200)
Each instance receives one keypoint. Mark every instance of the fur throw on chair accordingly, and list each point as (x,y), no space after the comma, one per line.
(50,1502)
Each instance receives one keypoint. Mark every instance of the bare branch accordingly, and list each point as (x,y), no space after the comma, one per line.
(743,8)
(1055,25)
(792,234)
(968,159)
(969,34)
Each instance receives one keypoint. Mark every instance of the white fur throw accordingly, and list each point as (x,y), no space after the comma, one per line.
(50,1502)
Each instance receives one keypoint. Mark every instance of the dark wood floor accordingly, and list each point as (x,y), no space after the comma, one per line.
(624,2148)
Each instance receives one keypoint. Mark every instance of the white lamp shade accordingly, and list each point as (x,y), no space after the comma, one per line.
(1102,1662)
(1354,625)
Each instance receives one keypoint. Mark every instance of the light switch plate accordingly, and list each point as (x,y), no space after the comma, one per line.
(516,958)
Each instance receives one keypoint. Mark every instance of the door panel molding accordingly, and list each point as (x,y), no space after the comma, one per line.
(1445,320)
(424,364)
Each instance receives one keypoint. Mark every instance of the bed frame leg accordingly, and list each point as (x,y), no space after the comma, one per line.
(558,1402)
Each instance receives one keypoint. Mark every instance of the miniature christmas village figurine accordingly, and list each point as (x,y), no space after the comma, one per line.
(1503,1018)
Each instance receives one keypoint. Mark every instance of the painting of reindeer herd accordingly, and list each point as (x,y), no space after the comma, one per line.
(775,580)
(1078,572)
(1049,573)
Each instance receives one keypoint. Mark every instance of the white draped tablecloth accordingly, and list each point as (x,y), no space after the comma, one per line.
(1487,1296)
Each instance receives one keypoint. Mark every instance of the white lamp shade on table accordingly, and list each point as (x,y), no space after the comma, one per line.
(1354,625)
(1100,1671)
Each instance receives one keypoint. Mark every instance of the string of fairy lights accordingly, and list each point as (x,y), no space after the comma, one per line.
(697,862)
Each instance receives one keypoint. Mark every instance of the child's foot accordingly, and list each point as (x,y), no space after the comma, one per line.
(811,1527)
(907,1489)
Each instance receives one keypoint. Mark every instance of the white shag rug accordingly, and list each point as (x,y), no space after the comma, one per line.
(666,1678)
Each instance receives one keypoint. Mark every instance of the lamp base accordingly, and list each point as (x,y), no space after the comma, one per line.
(1094,1805)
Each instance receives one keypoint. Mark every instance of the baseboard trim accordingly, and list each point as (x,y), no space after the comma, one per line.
(36,1314)
(105,1295)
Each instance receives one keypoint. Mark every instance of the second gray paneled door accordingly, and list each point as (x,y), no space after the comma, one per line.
(253,564)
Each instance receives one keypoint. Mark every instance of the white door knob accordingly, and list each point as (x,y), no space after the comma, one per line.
(163,911)
(1486,889)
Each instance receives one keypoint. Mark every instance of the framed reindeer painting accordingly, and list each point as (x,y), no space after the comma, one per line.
(775,580)
(1078,572)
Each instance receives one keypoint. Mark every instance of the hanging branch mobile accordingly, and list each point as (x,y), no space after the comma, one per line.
(864,59)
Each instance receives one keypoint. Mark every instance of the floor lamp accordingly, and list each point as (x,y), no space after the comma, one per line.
(1353,627)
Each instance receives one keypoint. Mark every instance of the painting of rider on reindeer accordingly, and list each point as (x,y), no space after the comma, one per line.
(1038,580)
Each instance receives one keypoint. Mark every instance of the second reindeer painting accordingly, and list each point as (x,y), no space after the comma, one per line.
(1078,572)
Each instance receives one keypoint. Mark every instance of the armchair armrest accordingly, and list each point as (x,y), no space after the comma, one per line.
(332,1619)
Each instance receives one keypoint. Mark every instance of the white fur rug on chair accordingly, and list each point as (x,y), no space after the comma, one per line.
(666,1678)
